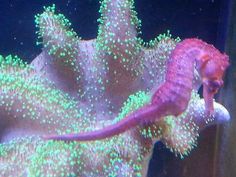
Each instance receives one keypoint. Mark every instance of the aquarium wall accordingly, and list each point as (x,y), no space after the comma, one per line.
(228,97)
(70,68)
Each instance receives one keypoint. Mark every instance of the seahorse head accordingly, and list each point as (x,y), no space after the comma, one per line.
(212,69)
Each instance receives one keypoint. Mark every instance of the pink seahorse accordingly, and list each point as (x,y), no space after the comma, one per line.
(172,97)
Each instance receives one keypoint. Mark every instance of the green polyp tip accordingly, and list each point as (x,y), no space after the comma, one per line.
(12,61)
(169,120)
(165,36)
(1,58)
(50,8)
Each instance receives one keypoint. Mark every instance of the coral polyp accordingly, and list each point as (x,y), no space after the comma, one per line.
(77,86)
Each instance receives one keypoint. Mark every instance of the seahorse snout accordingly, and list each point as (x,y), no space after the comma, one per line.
(212,69)
(208,98)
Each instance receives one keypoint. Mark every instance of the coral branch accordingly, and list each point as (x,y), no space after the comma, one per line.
(117,33)
(58,38)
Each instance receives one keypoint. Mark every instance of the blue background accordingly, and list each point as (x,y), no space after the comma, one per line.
(206,19)
(184,18)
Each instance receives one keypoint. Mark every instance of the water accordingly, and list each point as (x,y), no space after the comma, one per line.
(208,20)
